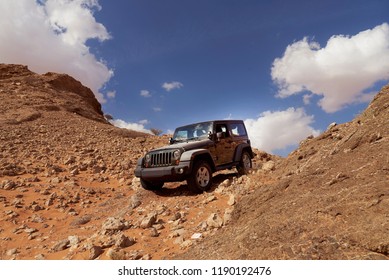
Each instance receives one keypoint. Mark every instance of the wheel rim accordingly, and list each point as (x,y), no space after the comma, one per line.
(246,161)
(202,176)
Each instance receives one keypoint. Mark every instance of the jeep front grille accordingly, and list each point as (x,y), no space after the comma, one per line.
(161,159)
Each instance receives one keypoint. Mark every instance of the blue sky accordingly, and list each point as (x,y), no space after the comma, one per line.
(288,68)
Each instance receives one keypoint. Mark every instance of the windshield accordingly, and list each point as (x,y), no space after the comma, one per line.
(192,132)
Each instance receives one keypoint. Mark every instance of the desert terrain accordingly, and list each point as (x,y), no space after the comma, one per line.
(68,191)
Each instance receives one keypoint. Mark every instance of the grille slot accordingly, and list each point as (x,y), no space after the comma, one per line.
(161,159)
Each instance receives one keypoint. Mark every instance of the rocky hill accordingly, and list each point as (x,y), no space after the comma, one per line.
(329,200)
(67,189)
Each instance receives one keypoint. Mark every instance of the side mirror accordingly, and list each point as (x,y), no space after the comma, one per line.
(171,141)
(219,135)
(213,136)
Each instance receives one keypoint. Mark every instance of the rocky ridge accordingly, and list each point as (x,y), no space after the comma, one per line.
(329,199)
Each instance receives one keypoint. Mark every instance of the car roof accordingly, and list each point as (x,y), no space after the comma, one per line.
(217,121)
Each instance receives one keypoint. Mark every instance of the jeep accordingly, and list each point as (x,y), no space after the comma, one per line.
(195,152)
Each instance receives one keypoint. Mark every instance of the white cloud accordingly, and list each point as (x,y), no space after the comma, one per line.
(307,98)
(145,93)
(144,122)
(280,129)
(74,20)
(50,36)
(140,126)
(157,109)
(172,85)
(111,94)
(229,117)
(340,72)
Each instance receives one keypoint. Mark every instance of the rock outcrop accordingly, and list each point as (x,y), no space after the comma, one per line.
(27,95)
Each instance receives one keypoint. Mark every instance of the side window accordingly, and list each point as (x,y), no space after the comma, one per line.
(238,129)
(223,129)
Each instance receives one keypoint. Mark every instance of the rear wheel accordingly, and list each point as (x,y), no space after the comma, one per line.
(244,164)
(151,186)
(200,179)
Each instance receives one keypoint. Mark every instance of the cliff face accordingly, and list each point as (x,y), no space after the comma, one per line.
(26,95)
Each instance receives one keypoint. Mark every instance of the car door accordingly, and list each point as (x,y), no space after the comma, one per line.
(224,144)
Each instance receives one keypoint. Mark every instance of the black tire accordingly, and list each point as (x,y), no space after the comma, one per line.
(151,186)
(245,164)
(200,179)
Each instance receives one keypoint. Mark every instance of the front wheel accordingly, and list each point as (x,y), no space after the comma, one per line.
(200,179)
(151,186)
(244,164)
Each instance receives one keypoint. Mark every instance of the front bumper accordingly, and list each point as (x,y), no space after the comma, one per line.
(163,174)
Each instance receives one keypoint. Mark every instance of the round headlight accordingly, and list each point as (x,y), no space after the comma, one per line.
(147,158)
(176,154)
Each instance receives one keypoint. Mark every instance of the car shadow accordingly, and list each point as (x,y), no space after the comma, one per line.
(171,190)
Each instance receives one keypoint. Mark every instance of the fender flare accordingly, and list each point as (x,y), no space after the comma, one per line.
(192,154)
(239,149)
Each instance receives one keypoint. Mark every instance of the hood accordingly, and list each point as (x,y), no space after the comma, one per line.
(190,145)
